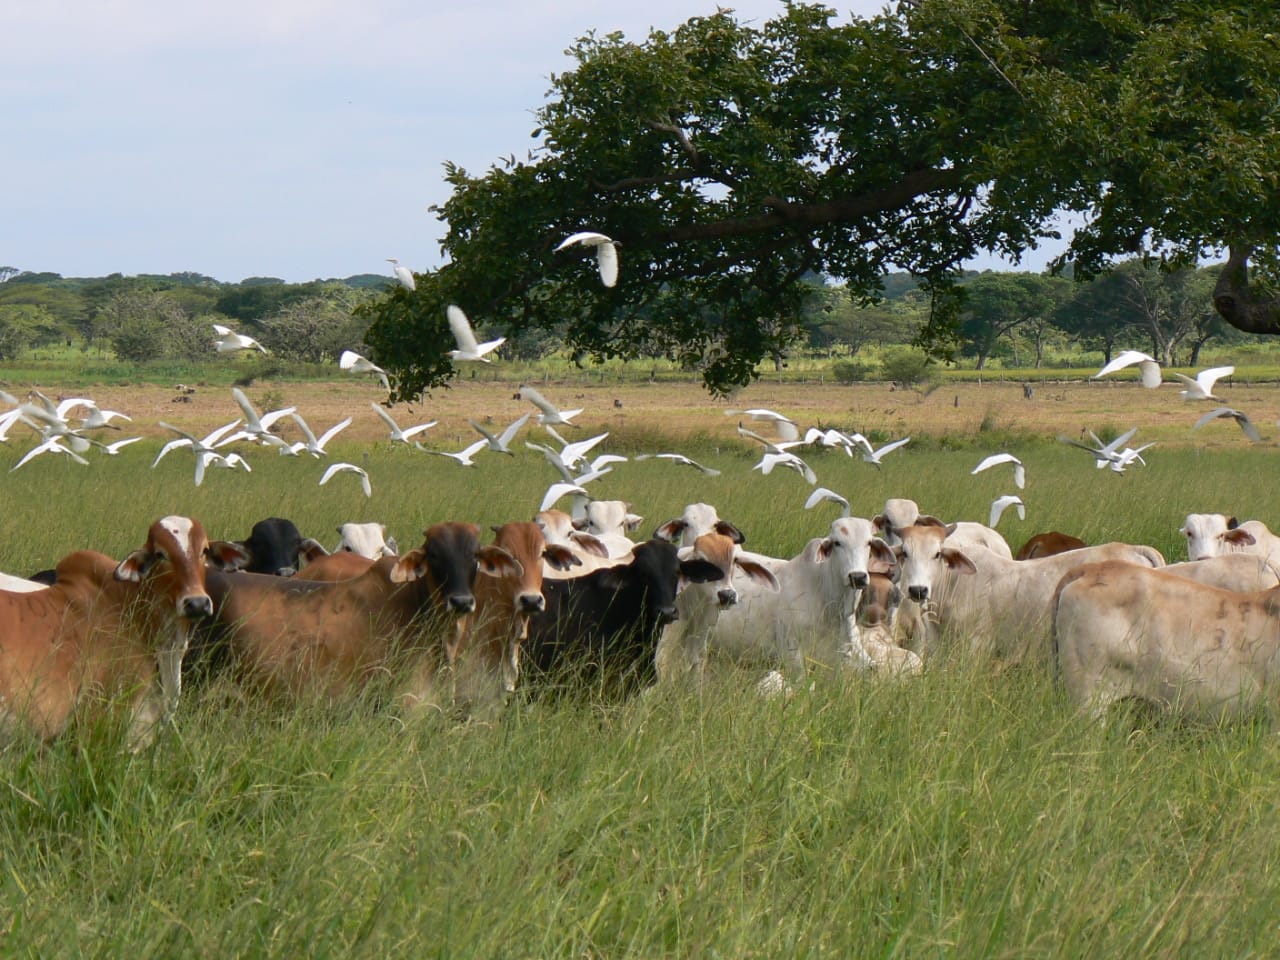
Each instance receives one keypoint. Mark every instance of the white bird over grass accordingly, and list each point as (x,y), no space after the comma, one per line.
(770,446)
(97,418)
(1226,413)
(823,495)
(559,490)
(681,459)
(337,468)
(352,362)
(785,426)
(1148,368)
(785,459)
(398,435)
(1019,471)
(1102,452)
(52,445)
(549,413)
(230,461)
(313,446)
(1126,457)
(999,505)
(113,449)
(606,253)
(198,446)
(1201,388)
(255,427)
(572,453)
(402,274)
(7,420)
(874,456)
(464,457)
(468,349)
(831,437)
(229,341)
(502,442)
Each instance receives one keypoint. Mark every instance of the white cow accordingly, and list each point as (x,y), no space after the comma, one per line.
(610,521)
(1001,606)
(368,540)
(899,513)
(811,616)
(697,519)
(558,528)
(1214,534)
(1242,572)
(1123,632)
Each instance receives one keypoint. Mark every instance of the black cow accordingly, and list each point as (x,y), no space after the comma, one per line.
(600,631)
(276,546)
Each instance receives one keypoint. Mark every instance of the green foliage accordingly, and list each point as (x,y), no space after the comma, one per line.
(851,371)
(906,365)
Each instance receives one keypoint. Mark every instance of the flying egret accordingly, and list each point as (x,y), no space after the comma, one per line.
(785,426)
(874,456)
(1000,503)
(831,437)
(352,362)
(230,461)
(1019,471)
(606,253)
(1240,418)
(255,426)
(571,453)
(502,442)
(464,457)
(402,274)
(1126,457)
(337,468)
(313,446)
(198,446)
(1148,368)
(549,413)
(771,460)
(1201,388)
(97,418)
(398,435)
(229,341)
(770,446)
(558,490)
(113,449)
(1103,453)
(52,445)
(821,495)
(468,349)
(681,459)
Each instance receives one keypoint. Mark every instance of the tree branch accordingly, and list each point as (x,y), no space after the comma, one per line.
(1234,299)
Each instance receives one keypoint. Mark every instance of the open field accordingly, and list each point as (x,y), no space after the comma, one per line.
(968,813)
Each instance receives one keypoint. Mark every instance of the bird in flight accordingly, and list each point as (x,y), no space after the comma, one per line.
(229,341)
(349,468)
(1148,369)
(1201,388)
(1019,471)
(606,253)
(468,349)
(352,362)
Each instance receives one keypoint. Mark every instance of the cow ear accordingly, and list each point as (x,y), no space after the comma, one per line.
(1241,538)
(496,562)
(883,559)
(580,523)
(881,523)
(824,550)
(560,557)
(589,543)
(1232,523)
(228,554)
(927,520)
(757,573)
(631,522)
(700,571)
(957,561)
(391,548)
(670,531)
(136,566)
(951,528)
(312,550)
(409,566)
(727,529)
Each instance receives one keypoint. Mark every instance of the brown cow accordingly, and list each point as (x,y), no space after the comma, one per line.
(877,610)
(342,565)
(104,628)
(1048,545)
(296,637)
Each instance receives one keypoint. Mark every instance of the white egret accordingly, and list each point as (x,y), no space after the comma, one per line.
(1246,425)
(606,253)
(549,412)
(398,435)
(1201,388)
(681,459)
(337,468)
(1148,368)
(999,505)
(502,442)
(352,362)
(468,349)
(823,495)
(229,341)
(313,446)
(1019,471)
(402,274)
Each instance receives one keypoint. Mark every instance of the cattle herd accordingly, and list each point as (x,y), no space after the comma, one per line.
(572,606)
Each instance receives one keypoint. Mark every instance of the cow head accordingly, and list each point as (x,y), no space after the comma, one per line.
(1213,534)
(697,519)
(609,518)
(449,559)
(654,578)
(722,551)
(898,513)
(853,550)
(276,546)
(924,558)
(558,527)
(879,601)
(368,540)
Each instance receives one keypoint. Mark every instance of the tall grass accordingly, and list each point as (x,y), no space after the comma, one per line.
(965,813)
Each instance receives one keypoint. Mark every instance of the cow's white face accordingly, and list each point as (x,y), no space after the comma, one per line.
(608,518)
(367,540)
(1212,534)
(923,559)
(854,550)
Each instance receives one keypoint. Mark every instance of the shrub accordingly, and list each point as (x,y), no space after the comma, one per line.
(906,365)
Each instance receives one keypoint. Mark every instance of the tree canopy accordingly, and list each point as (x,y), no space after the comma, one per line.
(730,160)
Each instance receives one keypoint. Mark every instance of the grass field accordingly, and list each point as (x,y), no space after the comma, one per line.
(969,812)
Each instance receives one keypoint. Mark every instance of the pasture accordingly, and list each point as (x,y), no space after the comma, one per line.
(969,812)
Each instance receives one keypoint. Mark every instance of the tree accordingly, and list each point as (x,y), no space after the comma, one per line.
(996,304)
(316,329)
(731,160)
(146,325)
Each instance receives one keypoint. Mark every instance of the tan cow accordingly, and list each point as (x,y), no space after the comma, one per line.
(1000,606)
(1123,632)
(876,614)
(106,629)
(1243,572)
(1048,545)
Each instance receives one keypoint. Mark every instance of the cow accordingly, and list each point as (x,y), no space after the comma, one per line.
(404,616)
(697,519)
(610,521)
(366,540)
(811,615)
(600,631)
(106,628)
(344,565)
(699,605)
(1001,606)
(1048,545)
(899,513)
(12,584)
(876,612)
(1242,572)
(276,546)
(1125,633)
(1213,534)
(559,528)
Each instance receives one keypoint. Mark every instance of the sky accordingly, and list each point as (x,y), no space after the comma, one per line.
(275,138)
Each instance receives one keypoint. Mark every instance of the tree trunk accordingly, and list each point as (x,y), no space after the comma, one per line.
(1233,298)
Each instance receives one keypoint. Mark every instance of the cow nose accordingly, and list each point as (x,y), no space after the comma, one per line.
(532,603)
(858,579)
(197,607)
(918,594)
(727,597)
(462,603)
(668,614)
